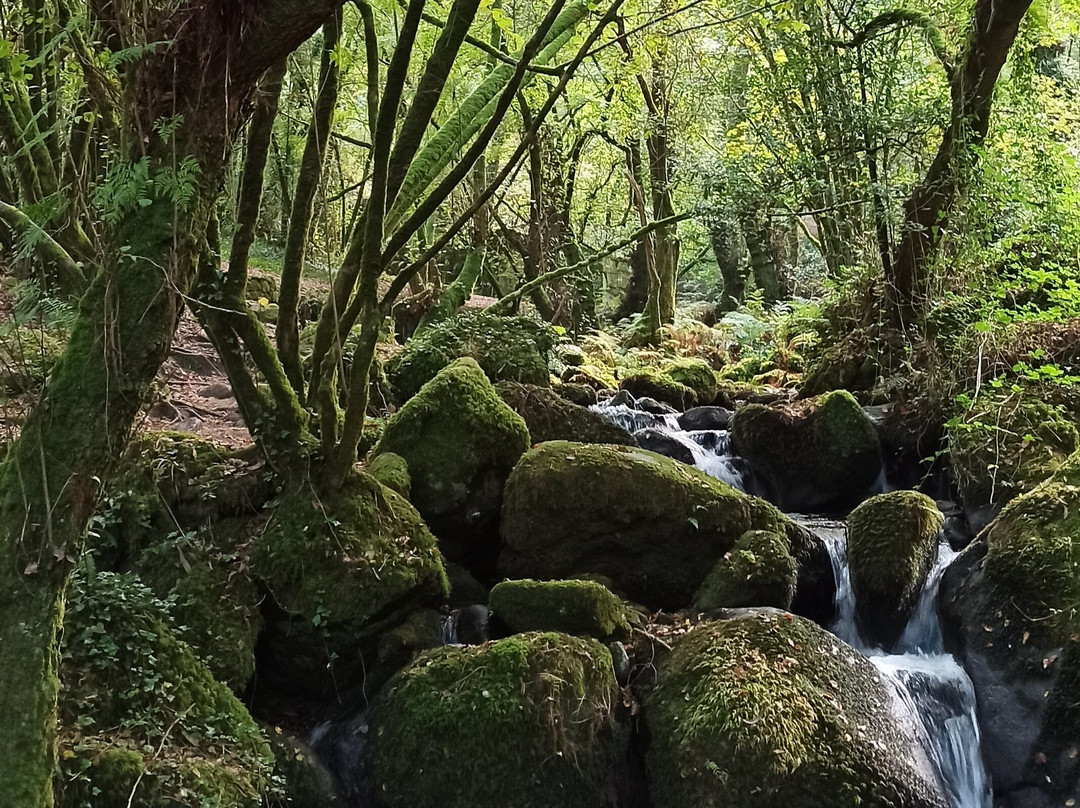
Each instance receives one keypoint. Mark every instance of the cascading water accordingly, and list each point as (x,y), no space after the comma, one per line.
(709,448)
(928,684)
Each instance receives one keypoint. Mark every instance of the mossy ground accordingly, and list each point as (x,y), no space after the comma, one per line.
(507,348)
(892,544)
(143,722)
(767,710)
(758,571)
(525,721)
(584,608)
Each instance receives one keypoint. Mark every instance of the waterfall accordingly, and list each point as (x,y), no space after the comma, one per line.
(709,448)
(928,684)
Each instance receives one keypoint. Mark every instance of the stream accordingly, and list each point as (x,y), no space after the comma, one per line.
(930,689)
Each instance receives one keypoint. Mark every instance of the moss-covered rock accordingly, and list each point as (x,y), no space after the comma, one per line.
(204,574)
(392,471)
(657,384)
(299,778)
(584,608)
(758,571)
(822,454)
(506,348)
(998,452)
(549,416)
(696,374)
(580,394)
(340,568)
(768,709)
(460,441)
(1012,606)
(142,721)
(598,377)
(525,721)
(26,357)
(892,544)
(651,525)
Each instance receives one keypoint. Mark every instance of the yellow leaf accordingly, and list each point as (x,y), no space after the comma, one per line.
(264,302)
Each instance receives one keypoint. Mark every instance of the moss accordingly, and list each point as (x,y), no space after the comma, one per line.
(135,701)
(768,709)
(824,453)
(695,374)
(652,525)
(745,369)
(584,608)
(998,452)
(460,441)
(350,557)
(892,544)
(26,357)
(525,721)
(392,471)
(655,384)
(757,571)
(596,377)
(506,348)
(580,394)
(549,416)
(373,429)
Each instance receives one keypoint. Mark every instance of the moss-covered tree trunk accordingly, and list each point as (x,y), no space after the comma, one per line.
(50,477)
(727,246)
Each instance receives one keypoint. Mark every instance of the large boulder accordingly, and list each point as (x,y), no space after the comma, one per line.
(696,374)
(653,383)
(652,526)
(550,416)
(768,709)
(460,441)
(584,608)
(819,455)
(999,452)
(525,721)
(339,568)
(142,721)
(1012,608)
(507,348)
(758,571)
(892,544)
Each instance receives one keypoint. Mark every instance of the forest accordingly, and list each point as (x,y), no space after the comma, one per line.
(540,403)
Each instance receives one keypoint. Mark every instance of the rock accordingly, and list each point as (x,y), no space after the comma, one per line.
(815,585)
(892,544)
(571,355)
(595,376)
(340,569)
(662,443)
(758,571)
(464,588)
(524,721)
(218,390)
(302,781)
(460,441)
(583,608)
(767,709)
(622,398)
(469,625)
(549,416)
(506,348)
(121,657)
(695,374)
(822,455)
(27,356)
(392,471)
(655,384)
(999,452)
(701,418)
(580,394)
(1011,608)
(652,406)
(650,524)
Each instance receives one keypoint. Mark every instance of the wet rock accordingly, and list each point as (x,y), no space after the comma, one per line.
(549,416)
(469,625)
(821,455)
(892,544)
(652,406)
(652,525)
(464,588)
(621,398)
(1011,604)
(524,721)
(301,778)
(702,418)
(656,384)
(767,709)
(460,441)
(815,586)
(582,608)
(663,443)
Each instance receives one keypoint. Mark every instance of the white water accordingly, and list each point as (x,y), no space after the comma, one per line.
(711,448)
(927,683)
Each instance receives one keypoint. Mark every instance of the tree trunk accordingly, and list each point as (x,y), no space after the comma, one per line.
(727,246)
(927,209)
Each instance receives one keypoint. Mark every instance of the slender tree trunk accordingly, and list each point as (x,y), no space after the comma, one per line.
(927,209)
